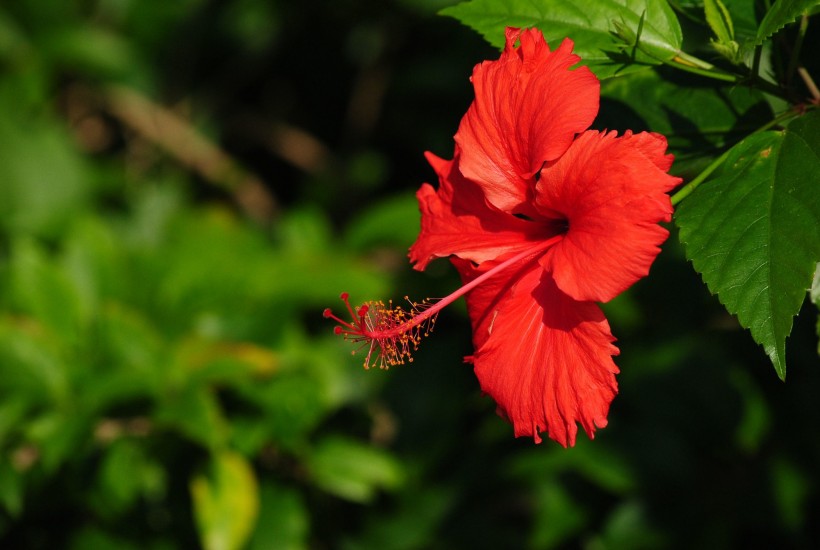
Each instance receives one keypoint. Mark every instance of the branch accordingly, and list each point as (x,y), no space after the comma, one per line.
(177,137)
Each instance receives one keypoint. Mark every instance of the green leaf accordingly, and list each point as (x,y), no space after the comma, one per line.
(755,421)
(558,516)
(43,290)
(117,492)
(58,436)
(415,521)
(590,25)
(283,520)
(695,119)
(629,526)
(92,50)
(30,366)
(597,464)
(750,230)
(226,502)
(292,404)
(353,471)
(720,20)
(393,222)
(12,488)
(194,412)
(791,490)
(43,180)
(781,14)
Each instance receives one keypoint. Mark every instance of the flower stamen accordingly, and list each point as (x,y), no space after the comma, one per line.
(390,334)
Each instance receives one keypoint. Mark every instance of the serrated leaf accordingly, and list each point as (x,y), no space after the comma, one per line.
(781,14)
(751,230)
(590,25)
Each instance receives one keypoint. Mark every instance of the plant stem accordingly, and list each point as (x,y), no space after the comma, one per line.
(809,82)
(694,65)
(687,189)
(756,62)
(769,88)
(794,60)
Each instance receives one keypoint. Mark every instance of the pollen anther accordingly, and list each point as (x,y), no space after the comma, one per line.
(389,333)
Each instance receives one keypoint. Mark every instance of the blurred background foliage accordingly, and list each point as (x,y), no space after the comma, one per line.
(184,186)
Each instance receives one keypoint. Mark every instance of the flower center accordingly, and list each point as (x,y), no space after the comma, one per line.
(390,334)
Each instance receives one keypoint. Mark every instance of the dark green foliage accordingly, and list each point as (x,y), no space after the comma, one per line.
(749,230)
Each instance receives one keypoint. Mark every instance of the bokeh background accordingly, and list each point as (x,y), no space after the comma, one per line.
(185,186)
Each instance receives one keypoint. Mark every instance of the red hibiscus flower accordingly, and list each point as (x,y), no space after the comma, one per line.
(542,218)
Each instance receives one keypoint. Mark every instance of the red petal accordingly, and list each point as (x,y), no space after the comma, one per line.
(612,192)
(528,108)
(545,358)
(456,220)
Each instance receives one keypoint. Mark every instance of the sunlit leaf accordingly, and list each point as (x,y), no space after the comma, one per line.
(745,18)
(591,25)
(720,20)
(751,229)
(226,502)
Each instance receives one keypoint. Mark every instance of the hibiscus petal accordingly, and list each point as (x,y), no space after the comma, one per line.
(544,358)
(529,106)
(612,193)
(456,220)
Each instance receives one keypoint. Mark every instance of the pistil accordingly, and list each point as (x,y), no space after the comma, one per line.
(391,333)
